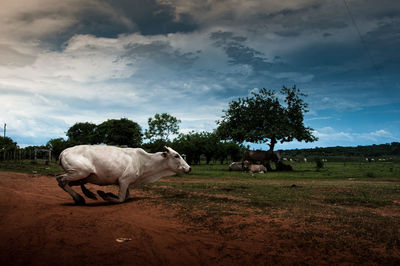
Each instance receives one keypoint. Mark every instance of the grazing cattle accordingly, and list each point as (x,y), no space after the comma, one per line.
(257,168)
(261,157)
(235,166)
(109,165)
(239,166)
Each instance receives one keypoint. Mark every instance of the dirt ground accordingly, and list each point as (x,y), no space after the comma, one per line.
(40,225)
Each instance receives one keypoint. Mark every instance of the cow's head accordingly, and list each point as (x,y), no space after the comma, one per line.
(175,162)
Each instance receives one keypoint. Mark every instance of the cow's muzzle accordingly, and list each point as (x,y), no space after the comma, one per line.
(187,171)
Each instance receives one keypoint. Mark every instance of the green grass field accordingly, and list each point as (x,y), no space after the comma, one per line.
(348,206)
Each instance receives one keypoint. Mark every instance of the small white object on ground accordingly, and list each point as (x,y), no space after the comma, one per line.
(123,239)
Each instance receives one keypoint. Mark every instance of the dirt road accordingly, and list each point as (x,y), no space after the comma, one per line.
(40,225)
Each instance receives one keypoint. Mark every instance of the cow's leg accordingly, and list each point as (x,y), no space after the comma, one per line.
(63,182)
(85,191)
(115,196)
(88,193)
(108,194)
(123,186)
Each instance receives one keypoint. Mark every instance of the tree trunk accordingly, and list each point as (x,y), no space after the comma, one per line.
(208,158)
(272,144)
(271,150)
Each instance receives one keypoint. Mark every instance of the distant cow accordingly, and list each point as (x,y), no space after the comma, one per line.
(257,168)
(109,165)
(239,166)
(261,157)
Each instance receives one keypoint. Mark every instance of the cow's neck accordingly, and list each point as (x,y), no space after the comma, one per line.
(156,165)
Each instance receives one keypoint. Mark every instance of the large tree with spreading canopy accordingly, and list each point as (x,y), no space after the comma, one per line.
(264,118)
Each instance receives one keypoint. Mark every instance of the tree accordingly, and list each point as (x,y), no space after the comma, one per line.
(81,133)
(162,126)
(263,119)
(7,144)
(225,149)
(187,144)
(195,144)
(58,145)
(156,145)
(207,143)
(123,132)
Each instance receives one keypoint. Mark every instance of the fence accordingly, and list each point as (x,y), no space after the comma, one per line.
(35,154)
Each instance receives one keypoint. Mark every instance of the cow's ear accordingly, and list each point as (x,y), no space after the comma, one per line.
(166,149)
(164,154)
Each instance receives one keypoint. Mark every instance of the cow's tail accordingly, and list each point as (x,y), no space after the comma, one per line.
(60,159)
(58,175)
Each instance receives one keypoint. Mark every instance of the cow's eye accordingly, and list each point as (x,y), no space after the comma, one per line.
(176,156)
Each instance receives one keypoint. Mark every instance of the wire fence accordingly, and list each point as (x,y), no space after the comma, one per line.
(35,154)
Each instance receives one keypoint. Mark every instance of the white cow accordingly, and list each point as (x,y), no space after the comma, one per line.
(257,168)
(239,166)
(109,165)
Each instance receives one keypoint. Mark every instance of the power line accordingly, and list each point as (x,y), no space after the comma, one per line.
(364,43)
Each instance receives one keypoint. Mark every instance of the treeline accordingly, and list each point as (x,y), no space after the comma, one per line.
(123,132)
(197,146)
(371,151)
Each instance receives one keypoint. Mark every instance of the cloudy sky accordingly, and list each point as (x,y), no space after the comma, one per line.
(63,62)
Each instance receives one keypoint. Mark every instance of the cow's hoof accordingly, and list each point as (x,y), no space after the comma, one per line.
(109,194)
(79,200)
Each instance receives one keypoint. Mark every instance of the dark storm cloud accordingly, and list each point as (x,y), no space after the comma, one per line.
(223,37)
(162,53)
(373,55)
(95,22)
(110,18)
(100,24)
(238,53)
(292,22)
(384,40)
(294,12)
(90,18)
(153,18)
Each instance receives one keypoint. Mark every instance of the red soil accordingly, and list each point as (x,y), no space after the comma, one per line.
(40,225)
